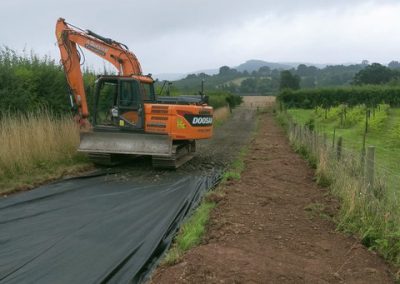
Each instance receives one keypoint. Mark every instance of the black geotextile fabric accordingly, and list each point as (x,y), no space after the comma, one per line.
(92,230)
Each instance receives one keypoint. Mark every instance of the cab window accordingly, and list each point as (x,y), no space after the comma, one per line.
(129,94)
(147,92)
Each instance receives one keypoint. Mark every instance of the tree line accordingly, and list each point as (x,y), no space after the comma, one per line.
(374,74)
(369,95)
(372,85)
(29,83)
(269,81)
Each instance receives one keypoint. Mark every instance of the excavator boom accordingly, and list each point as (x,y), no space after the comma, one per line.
(68,37)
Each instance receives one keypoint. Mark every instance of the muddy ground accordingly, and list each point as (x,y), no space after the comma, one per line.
(274,225)
(211,155)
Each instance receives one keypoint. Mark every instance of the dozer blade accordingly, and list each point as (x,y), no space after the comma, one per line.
(126,143)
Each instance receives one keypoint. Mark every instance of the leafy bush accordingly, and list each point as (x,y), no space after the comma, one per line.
(219,99)
(378,118)
(354,116)
(29,83)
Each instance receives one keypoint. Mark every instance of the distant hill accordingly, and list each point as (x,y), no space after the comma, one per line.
(169,76)
(178,76)
(254,65)
(207,71)
(250,65)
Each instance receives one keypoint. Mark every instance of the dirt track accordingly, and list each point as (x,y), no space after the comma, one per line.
(273,226)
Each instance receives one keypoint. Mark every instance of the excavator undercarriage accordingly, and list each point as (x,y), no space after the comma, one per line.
(167,154)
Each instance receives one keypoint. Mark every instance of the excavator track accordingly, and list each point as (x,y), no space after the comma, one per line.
(182,153)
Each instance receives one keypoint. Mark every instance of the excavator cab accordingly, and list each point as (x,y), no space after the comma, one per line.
(119,102)
(118,121)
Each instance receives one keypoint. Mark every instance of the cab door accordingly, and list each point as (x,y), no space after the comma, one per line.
(130,104)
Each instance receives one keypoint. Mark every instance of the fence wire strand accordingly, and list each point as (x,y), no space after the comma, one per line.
(350,154)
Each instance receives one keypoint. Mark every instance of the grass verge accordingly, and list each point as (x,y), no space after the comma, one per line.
(190,233)
(237,166)
(37,147)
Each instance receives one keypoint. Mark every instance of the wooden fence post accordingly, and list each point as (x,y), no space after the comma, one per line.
(293,132)
(333,141)
(367,115)
(370,167)
(341,118)
(315,138)
(299,139)
(363,150)
(339,148)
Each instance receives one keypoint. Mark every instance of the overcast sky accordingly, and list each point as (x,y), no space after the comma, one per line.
(182,35)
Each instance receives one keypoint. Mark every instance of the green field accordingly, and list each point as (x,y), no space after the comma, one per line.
(383,131)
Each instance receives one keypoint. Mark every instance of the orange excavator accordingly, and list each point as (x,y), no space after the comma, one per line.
(128,118)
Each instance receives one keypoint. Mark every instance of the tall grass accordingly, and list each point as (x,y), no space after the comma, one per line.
(36,144)
(371,212)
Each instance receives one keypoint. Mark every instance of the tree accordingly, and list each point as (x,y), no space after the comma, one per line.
(374,74)
(203,75)
(191,76)
(394,65)
(224,70)
(308,82)
(264,71)
(304,70)
(248,85)
(289,81)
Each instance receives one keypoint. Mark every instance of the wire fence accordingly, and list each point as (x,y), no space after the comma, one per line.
(315,142)
(361,181)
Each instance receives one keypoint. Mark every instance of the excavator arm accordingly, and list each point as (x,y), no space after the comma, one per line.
(68,37)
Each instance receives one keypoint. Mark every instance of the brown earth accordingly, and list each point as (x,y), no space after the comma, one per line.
(274,226)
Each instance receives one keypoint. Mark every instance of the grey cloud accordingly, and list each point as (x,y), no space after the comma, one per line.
(156,30)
